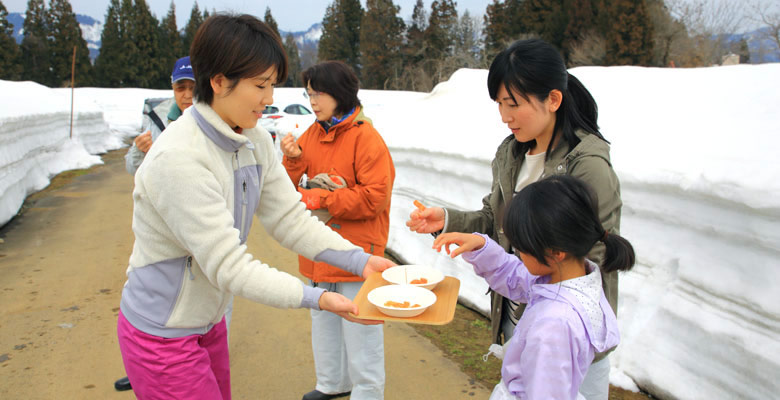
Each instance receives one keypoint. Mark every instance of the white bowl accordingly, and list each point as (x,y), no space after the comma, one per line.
(404,274)
(424,298)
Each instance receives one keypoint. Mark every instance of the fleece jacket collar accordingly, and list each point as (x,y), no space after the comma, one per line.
(216,129)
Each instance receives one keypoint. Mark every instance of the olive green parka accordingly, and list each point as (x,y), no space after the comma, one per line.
(588,160)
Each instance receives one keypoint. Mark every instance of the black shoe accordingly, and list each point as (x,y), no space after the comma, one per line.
(122,384)
(317,395)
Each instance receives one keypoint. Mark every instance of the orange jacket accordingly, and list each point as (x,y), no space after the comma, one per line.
(354,150)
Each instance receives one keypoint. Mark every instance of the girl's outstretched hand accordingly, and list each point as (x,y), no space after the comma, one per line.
(342,306)
(465,241)
(426,220)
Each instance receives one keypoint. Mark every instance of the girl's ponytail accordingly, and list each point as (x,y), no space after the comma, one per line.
(583,113)
(619,255)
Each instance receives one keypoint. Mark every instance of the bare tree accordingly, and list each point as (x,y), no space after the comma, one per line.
(708,23)
(590,50)
(766,15)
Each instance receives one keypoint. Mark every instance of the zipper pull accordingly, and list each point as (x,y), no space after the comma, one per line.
(189,268)
(245,201)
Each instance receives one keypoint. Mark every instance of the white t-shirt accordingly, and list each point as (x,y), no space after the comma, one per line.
(530,171)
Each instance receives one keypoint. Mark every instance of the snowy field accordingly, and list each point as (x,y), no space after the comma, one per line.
(695,150)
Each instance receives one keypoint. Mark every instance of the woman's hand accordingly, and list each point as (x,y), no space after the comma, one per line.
(376,264)
(465,241)
(429,220)
(289,147)
(342,306)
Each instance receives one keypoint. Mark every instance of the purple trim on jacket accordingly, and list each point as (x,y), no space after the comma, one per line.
(553,343)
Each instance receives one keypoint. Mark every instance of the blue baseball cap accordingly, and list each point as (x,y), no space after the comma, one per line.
(182,70)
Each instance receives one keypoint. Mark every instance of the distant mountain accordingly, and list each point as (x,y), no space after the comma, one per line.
(90,31)
(310,36)
(762,48)
(17,20)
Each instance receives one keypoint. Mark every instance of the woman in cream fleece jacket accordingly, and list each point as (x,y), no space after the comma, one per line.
(194,198)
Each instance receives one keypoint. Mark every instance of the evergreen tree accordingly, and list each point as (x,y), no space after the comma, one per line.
(147,58)
(629,38)
(744,51)
(380,43)
(439,36)
(192,26)
(414,48)
(129,72)
(581,19)
(10,63)
(332,43)
(171,48)
(497,28)
(504,23)
(66,34)
(467,45)
(107,61)
(271,22)
(547,19)
(35,44)
(294,60)
(440,39)
(414,52)
(340,38)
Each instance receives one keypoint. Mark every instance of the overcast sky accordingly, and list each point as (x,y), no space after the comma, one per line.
(291,15)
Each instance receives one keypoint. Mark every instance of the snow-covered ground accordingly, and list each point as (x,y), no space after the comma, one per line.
(695,150)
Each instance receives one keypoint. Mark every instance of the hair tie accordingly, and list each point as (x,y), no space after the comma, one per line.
(604,238)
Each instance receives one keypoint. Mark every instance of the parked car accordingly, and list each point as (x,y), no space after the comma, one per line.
(279,119)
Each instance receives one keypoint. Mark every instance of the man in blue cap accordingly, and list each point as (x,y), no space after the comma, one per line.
(160,115)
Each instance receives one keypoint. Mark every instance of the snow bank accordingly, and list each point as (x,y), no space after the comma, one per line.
(695,152)
(35,142)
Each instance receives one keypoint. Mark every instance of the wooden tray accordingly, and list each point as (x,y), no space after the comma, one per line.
(440,313)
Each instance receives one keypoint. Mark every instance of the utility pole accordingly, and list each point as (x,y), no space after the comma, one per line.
(72,80)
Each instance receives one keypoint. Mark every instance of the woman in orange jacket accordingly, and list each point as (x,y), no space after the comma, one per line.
(345,174)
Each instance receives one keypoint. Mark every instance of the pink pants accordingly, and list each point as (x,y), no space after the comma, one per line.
(190,367)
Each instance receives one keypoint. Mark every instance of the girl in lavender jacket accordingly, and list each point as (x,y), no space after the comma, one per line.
(551,224)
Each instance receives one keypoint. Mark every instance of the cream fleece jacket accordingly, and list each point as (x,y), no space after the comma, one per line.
(189,258)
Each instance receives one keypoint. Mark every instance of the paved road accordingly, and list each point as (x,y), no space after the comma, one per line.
(61,273)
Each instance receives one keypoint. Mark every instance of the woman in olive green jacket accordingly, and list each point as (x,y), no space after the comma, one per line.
(553,119)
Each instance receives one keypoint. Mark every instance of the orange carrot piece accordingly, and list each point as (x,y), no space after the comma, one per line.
(419,205)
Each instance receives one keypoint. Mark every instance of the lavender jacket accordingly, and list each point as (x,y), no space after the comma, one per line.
(561,330)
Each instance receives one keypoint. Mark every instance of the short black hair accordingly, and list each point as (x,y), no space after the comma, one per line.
(336,79)
(237,46)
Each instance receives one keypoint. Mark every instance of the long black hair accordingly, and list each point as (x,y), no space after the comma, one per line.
(560,213)
(534,67)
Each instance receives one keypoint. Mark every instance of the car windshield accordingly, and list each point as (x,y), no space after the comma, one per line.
(297,109)
(270,110)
